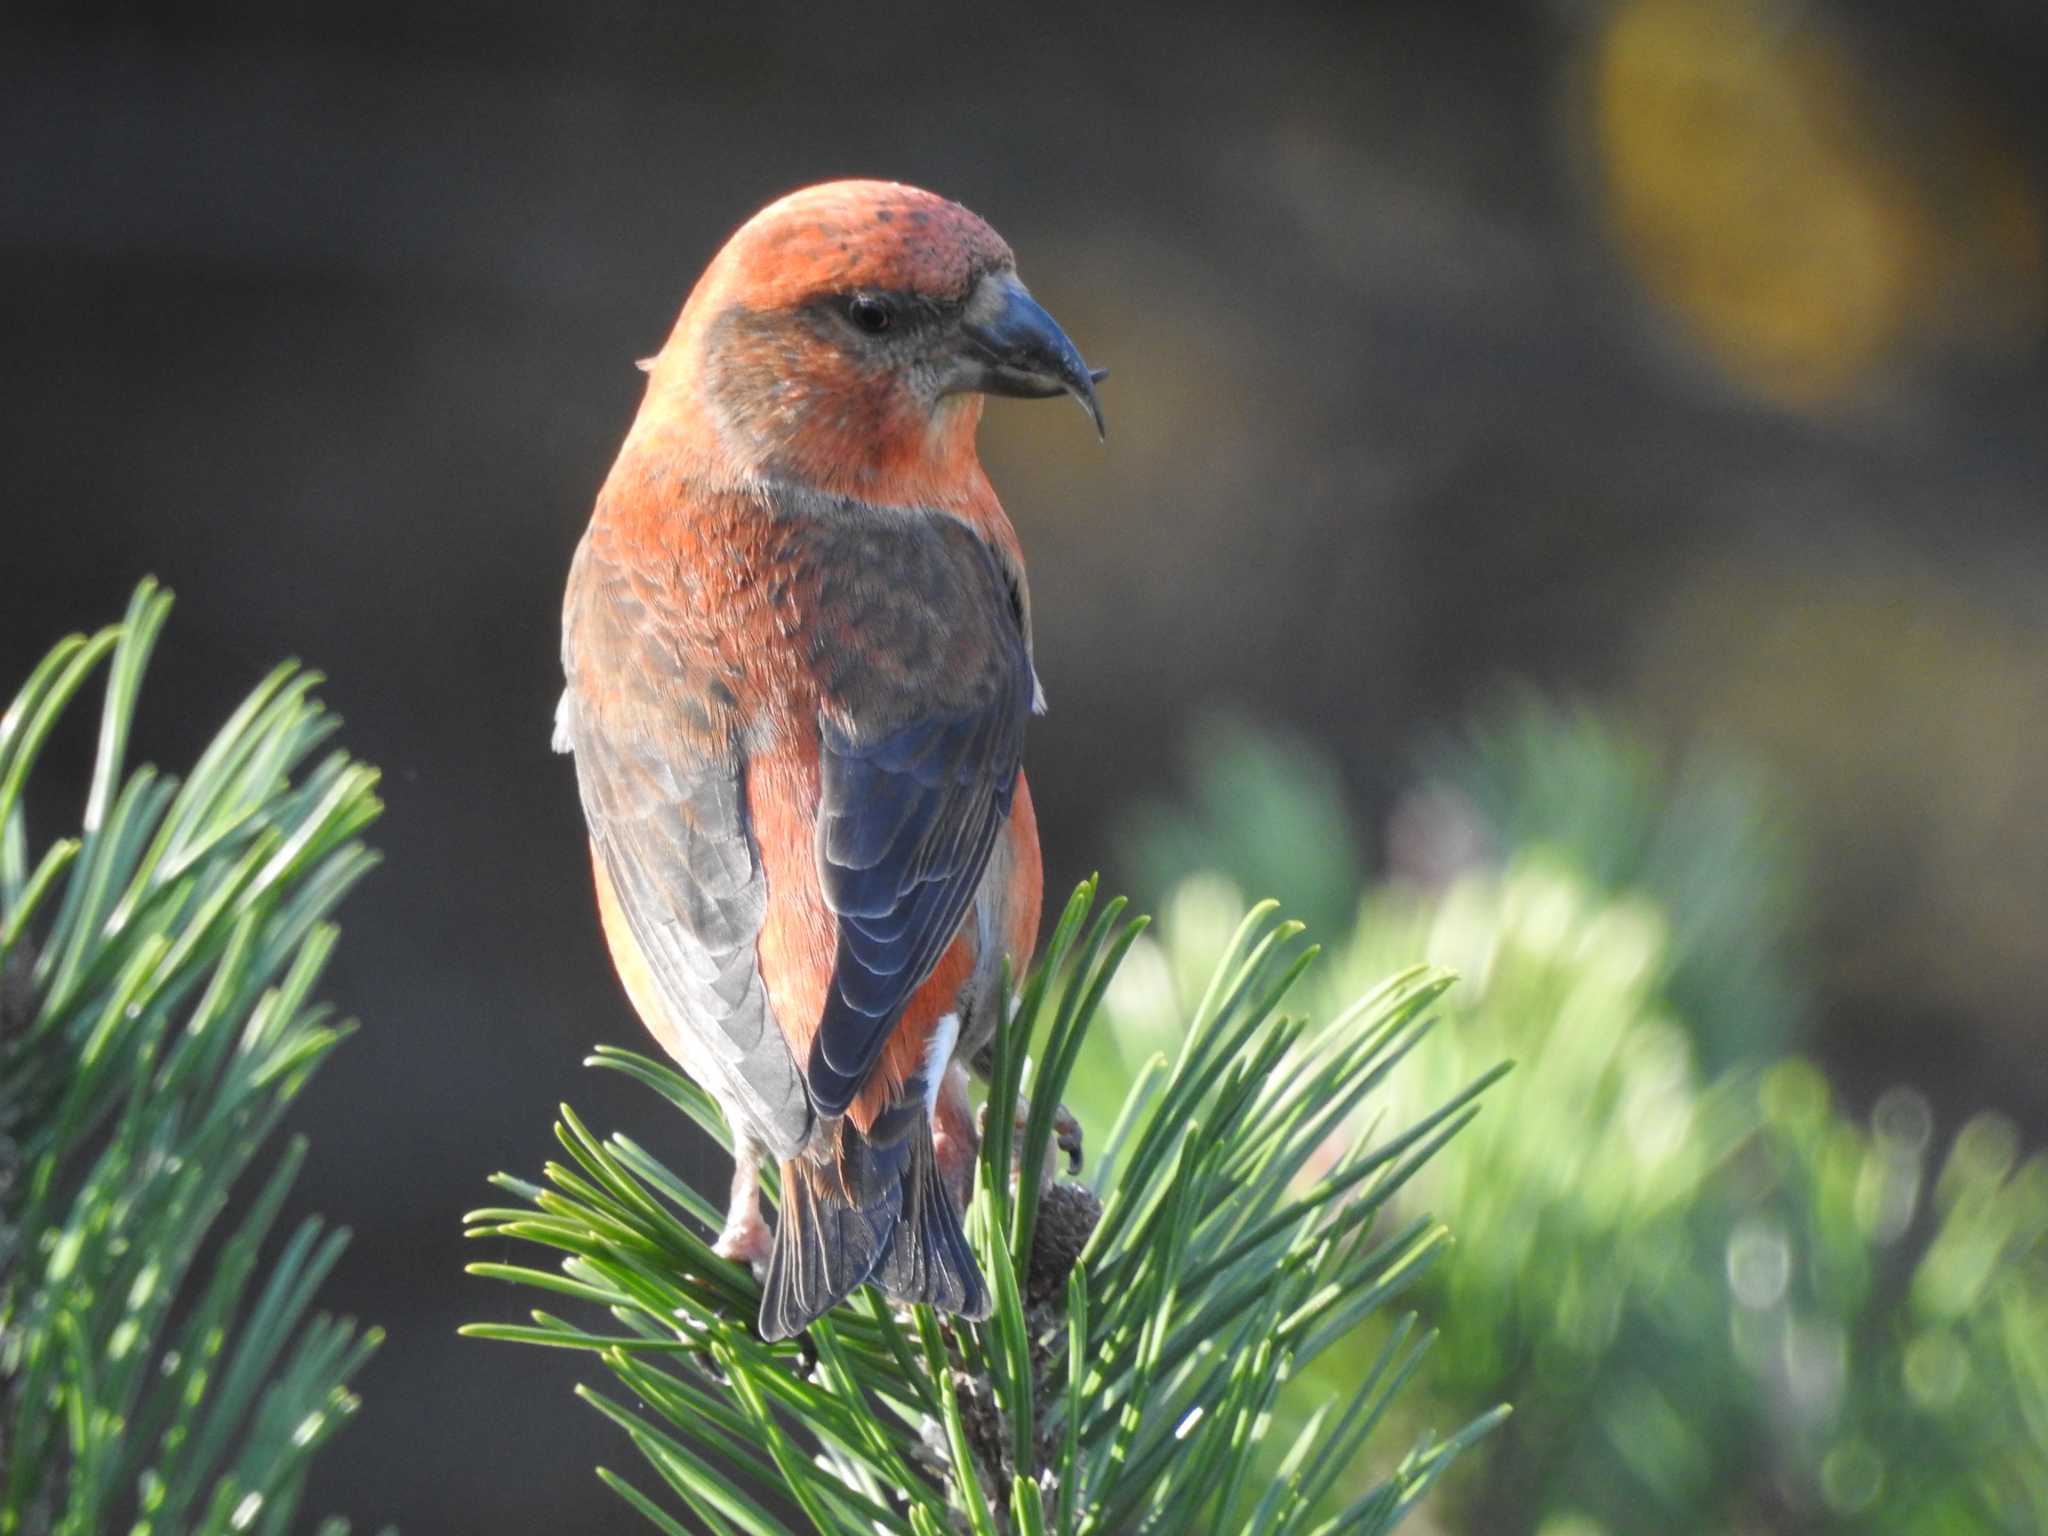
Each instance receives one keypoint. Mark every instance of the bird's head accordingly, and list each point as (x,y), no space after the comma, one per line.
(844,337)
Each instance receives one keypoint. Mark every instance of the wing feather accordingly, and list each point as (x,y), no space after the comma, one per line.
(660,777)
(916,782)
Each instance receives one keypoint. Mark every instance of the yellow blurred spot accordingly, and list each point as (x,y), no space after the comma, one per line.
(1765,190)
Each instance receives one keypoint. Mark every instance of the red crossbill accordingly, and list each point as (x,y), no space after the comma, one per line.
(797,639)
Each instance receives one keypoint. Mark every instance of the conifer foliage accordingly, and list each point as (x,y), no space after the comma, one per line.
(1144,1323)
(157,1018)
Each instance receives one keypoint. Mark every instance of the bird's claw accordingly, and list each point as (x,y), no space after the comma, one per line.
(746,1240)
(1066,1137)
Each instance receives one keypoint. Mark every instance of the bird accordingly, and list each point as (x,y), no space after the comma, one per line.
(798,661)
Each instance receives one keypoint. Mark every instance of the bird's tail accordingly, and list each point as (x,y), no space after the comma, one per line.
(871,1208)
(928,1258)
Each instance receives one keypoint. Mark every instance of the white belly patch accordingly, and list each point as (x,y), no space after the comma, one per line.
(938,1055)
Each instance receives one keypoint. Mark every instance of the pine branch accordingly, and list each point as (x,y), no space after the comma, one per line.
(156,1020)
(1127,1377)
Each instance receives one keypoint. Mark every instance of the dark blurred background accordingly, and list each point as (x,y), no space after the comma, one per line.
(1685,357)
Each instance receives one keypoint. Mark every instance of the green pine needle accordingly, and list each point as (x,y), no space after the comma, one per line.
(156,1020)
(1241,1232)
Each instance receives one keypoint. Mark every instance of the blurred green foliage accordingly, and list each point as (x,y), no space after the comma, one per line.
(1718,1301)
(157,1375)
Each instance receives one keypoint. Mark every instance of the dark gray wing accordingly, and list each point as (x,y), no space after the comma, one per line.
(658,764)
(917,772)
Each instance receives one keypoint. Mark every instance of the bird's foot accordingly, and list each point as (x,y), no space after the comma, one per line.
(746,1240)
(1066,1135)
(1066,1138)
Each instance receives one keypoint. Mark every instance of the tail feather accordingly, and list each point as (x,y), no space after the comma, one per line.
(871,1207)
(928,1258)
(828,1238)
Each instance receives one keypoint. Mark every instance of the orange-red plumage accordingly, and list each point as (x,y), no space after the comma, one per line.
(798,653)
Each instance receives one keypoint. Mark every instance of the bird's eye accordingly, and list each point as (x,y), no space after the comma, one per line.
(870,314)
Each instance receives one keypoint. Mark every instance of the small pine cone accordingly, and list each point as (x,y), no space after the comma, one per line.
(1067,1214)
